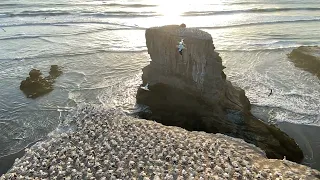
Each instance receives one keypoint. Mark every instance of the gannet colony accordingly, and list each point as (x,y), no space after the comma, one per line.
(106,144)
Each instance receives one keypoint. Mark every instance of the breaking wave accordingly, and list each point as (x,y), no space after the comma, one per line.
(262,23)
(253,10)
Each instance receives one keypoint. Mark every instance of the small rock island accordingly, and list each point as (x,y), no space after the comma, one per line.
(35,85)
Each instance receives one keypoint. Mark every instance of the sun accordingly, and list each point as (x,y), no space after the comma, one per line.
(175,11)
(172,10)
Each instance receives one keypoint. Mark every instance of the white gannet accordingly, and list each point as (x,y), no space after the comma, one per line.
(146,87)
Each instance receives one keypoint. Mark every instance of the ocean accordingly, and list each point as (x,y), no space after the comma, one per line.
(100,46)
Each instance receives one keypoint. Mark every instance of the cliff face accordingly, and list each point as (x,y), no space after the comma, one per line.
(197,71)
(191,91)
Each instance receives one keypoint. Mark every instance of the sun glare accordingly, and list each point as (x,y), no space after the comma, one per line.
(172,10)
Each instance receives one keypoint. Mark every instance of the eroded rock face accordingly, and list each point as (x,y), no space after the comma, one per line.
(198,70)
(36,85)
(191,91)
(307,58)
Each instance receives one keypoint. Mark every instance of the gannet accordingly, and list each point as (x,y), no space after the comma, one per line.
(146,87)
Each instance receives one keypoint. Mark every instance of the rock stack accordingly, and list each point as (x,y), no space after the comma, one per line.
(191,91)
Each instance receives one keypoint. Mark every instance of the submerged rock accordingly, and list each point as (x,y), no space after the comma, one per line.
(109,145)
(307,58)
(36,85)
(191,91)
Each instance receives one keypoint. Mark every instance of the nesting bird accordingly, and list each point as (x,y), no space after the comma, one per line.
(129,148)
(146,87)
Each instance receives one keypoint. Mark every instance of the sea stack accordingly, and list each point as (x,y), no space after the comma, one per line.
(191,91)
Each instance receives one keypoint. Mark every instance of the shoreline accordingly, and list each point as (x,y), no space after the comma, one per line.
(7,161)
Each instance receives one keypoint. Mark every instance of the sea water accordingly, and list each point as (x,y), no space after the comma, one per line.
(100,46)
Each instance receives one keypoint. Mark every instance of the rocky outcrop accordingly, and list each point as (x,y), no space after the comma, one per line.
(55,71)
(191,91)
(109,145)
(35,85)
(307,58)
(198,70)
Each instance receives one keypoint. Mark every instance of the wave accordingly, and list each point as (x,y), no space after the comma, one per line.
(275,109)
(142,49)
(120,14)
(27,4)
(131,5)
(269,49)
(132,14)
(20,37)
(69,23)
(130,27)
(38,13)
(272,2)
(261,23)
(280,48)
(253,10)
(47,13)
(43,36)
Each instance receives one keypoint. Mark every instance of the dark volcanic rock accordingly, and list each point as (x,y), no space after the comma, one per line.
(191,91)
(55,71)
(307,58)
(36,85)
